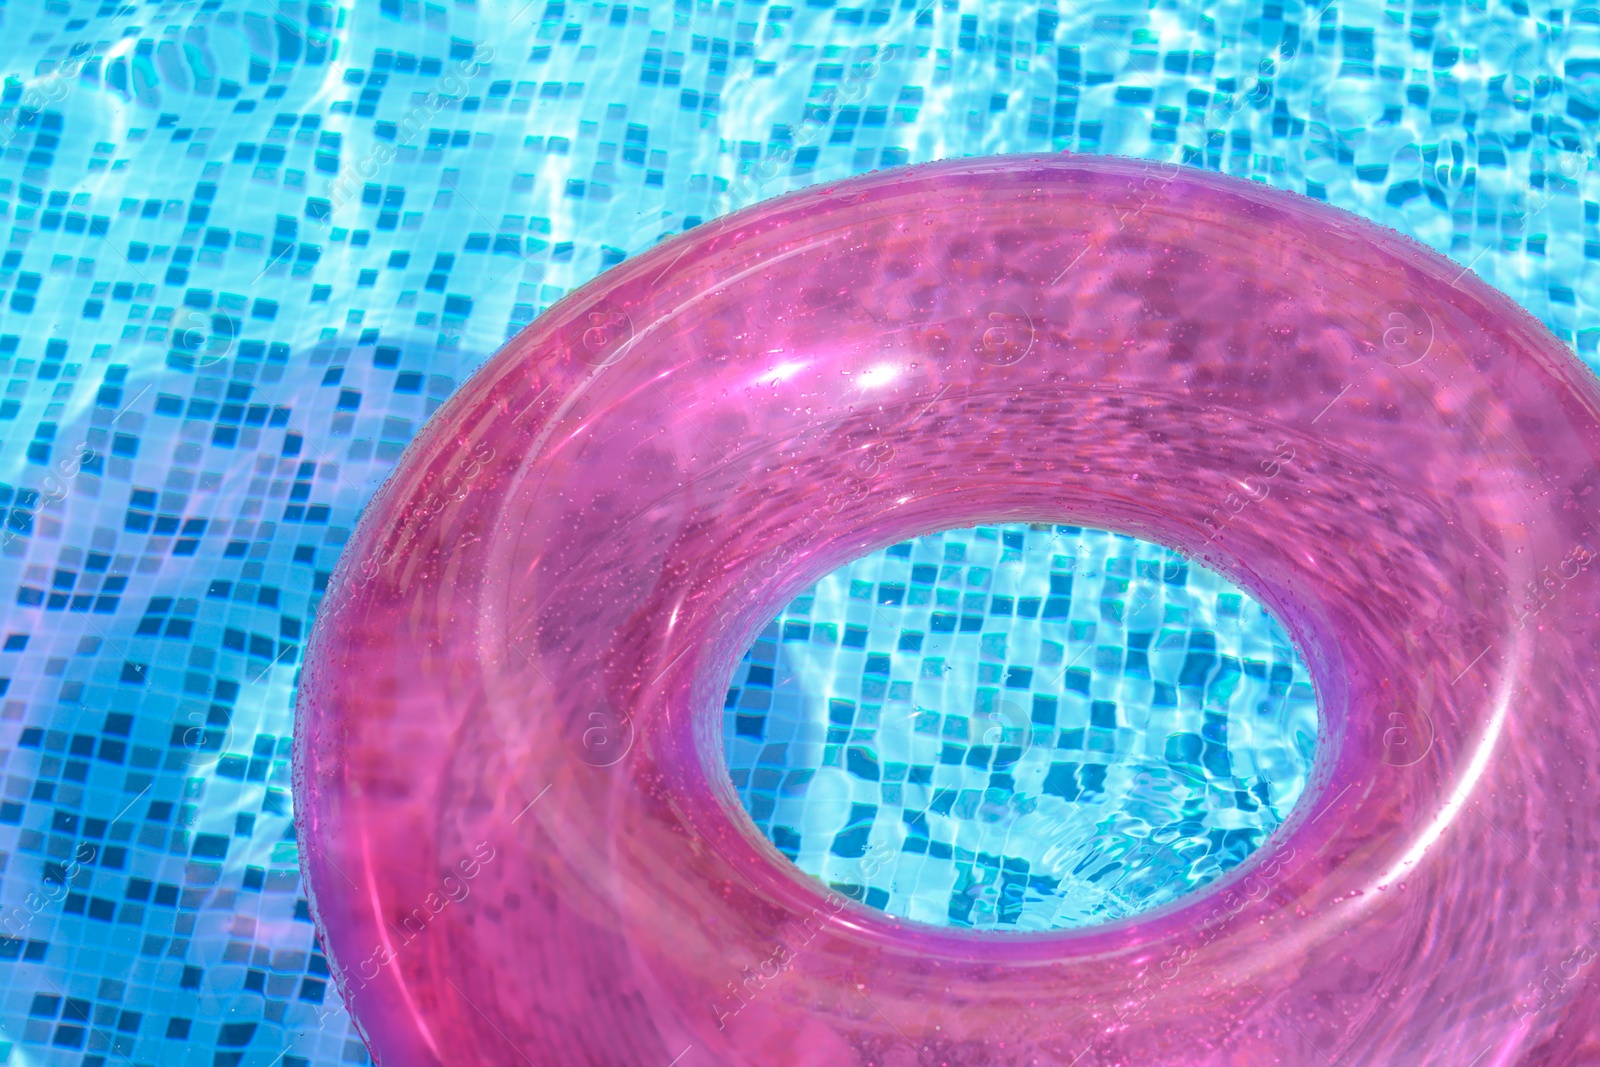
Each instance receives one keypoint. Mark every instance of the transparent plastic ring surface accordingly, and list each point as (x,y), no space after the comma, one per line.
(520,839)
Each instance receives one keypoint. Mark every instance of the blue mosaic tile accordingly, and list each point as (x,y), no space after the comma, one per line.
(1020,728)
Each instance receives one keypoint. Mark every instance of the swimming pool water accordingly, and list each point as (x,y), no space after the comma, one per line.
(250,247)
(1020,728)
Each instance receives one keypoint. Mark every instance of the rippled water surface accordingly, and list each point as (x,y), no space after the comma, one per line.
(1020,727)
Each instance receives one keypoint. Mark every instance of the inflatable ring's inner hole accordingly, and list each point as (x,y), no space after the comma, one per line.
(1020,727)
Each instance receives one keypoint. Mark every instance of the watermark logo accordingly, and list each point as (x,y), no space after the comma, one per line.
(813,129)
(451,86)
(601,737)
(600,336)
(204,340)
(1005,333)
(1550,986)
(453,888)
(1007,727)
(1408,737)
(794,936)
(1542,591)
(1249,491)
(209,737)
(1405,333)
(16,919)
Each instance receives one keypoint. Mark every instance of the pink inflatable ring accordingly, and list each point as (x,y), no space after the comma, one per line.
(520,839)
